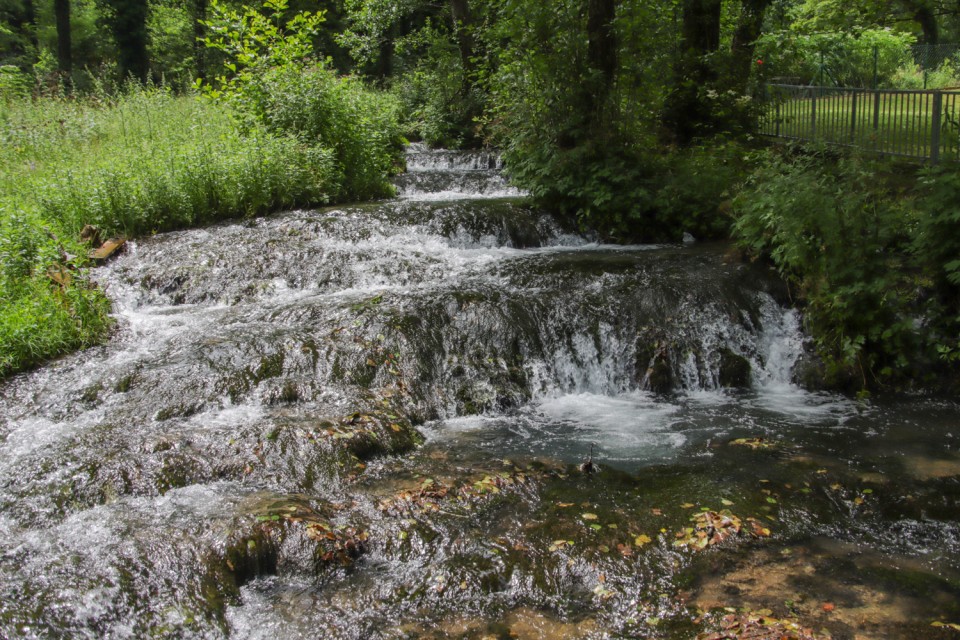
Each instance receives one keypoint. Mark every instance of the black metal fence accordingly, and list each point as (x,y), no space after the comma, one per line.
(913,124)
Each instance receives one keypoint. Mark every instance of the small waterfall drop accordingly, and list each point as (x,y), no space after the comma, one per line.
(452,175)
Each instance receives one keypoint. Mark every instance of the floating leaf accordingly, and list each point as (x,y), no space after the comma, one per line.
(726,503)
(641,540)
(596,527)
(828,607)
(589,516)
(371,363)
(687,505)
(753,443)
(946,625)
(564,505)
(771,500)
(604,548)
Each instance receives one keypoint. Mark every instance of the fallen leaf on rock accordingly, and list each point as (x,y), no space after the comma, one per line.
(946,625)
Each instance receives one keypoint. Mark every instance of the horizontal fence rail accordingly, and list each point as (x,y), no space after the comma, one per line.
(913,124)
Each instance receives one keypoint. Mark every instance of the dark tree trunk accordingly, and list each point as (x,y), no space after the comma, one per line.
(61,12)
(199,32)
(925,16)
(701,26)
(602,45)
(685,113)
(129,27)
(748,29)
(460,13)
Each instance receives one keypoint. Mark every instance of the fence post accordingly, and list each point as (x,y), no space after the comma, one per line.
(876,59)
(853,117)
(935,127)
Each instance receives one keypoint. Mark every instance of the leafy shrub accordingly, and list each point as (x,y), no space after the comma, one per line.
(439,105)
(843,241)
(273,77)
(912,76)
(937,249)
(835,58)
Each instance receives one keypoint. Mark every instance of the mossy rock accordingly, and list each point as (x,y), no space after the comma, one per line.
(734,370)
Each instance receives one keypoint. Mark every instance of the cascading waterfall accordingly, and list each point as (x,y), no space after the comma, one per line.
(244,437)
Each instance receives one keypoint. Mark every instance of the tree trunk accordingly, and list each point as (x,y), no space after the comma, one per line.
(924,15)
(460,13)
(199,32)
(701,26)
(685,113)
(748,29)
(129,26)
(602,45)
(61,11)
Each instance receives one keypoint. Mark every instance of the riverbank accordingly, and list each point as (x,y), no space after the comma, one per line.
(133,164)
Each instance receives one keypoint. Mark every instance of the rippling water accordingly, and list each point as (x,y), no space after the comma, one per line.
(368,422)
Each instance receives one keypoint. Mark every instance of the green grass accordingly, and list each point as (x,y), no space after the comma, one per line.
(135,164)
(900,124)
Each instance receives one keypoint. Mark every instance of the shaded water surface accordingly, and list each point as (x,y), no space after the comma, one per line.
(369,422)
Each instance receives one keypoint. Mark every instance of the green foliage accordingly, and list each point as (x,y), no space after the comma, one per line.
(848,244)
(14,83)
(912,76)
(253,42)
(170,26)
(272,77)
(131,164)
(438,102)
(937,248)
(836,58)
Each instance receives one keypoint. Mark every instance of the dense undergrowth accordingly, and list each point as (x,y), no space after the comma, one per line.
(143,161)
(872,251)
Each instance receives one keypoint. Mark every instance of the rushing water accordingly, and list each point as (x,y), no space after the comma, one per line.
(368,422)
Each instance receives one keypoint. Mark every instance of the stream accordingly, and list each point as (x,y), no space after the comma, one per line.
(370,421)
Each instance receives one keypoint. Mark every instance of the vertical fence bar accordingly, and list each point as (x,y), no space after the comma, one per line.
(876,118)
(853,117)
(776,121)
(898,123)
(935,127)
(813,114)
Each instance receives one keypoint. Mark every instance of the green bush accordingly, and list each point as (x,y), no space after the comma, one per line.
(355,128)
(835,58)
(936,246)
(273,77)
(843,239)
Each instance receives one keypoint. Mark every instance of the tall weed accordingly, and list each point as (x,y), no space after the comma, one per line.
(131,164)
